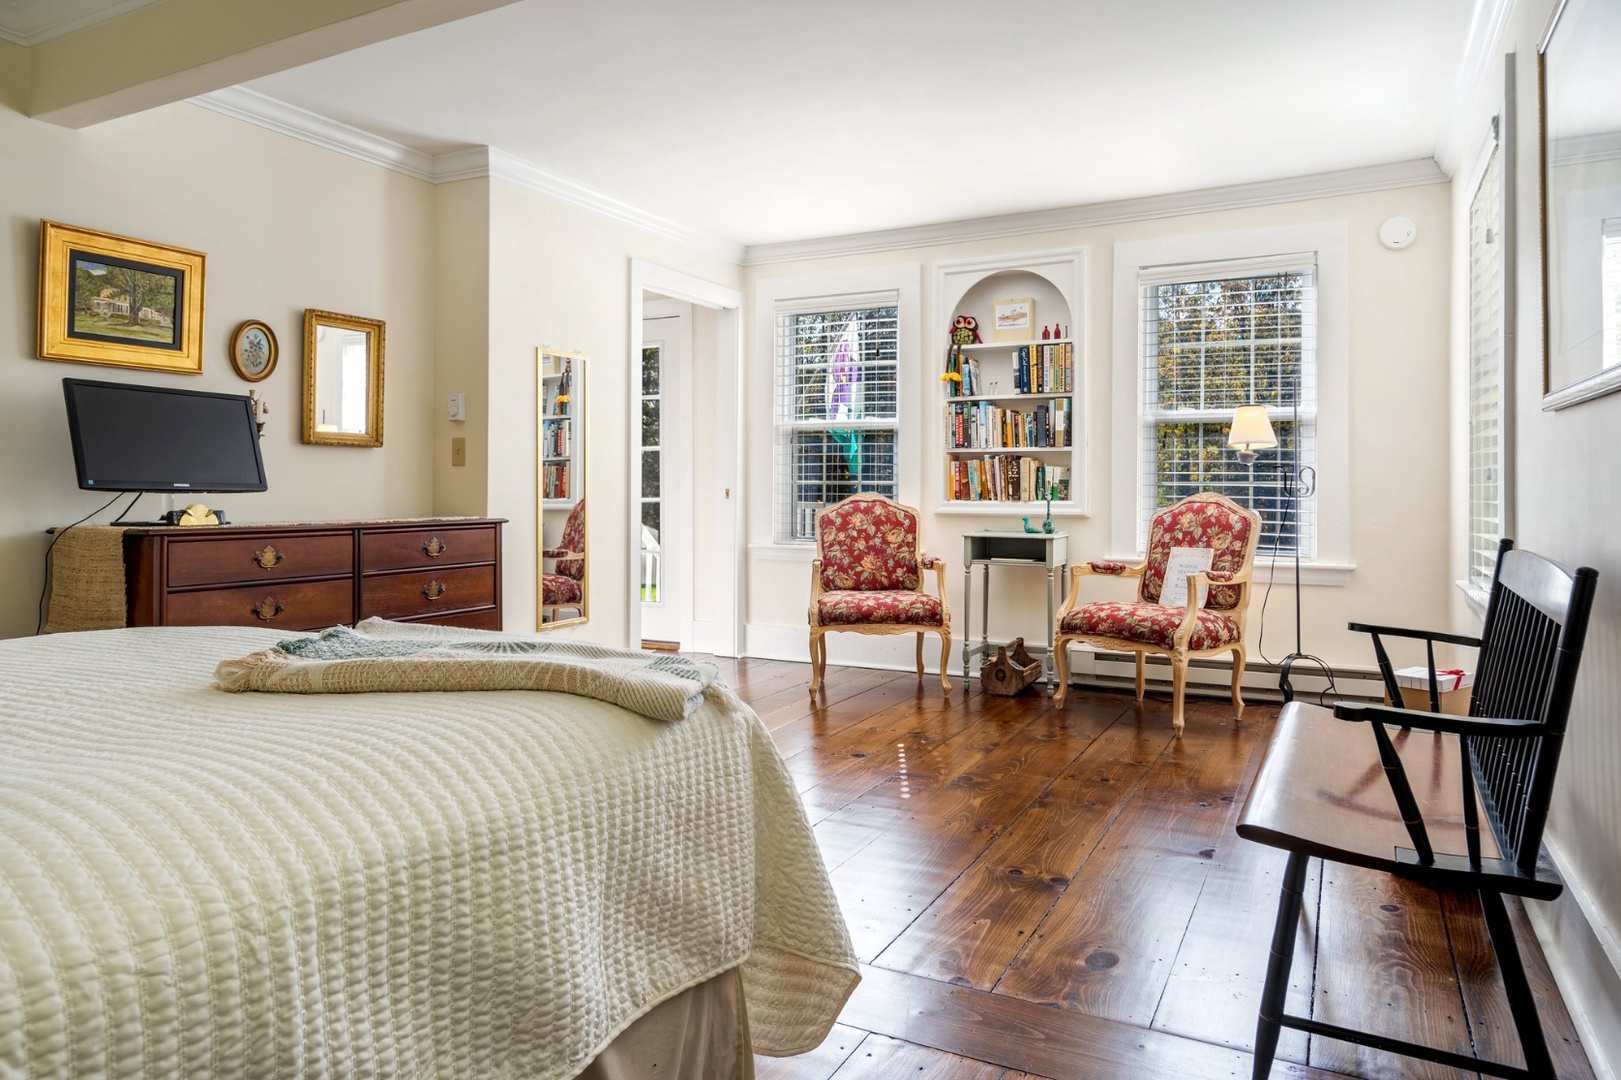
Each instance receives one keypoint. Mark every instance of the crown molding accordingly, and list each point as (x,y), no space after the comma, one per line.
(525,174)
(1320,185)
(278,116)
(467,164)
(1482,56)
(29,22)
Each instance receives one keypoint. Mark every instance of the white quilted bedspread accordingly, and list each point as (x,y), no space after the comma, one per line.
(202,884)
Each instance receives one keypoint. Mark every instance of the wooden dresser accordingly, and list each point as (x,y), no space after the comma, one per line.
(311,576)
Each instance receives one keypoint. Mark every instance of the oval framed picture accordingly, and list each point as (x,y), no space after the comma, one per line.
(253,350)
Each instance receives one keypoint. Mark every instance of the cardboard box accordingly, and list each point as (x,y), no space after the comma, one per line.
(1456,685)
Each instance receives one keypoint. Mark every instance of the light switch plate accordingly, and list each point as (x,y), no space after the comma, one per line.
(458,408)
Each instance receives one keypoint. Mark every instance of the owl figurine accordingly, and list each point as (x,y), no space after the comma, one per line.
(965,331)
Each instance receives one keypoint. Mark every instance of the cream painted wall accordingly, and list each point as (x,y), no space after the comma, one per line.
(269,212)
(462,344)
(1565,467)
(14,69)
(560,276)
(1398,347)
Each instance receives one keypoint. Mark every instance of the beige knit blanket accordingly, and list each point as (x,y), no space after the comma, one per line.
(378,656)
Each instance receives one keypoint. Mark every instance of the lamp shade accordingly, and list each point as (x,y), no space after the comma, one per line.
(1251,430)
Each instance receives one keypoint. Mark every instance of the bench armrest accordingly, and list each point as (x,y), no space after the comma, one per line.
(1433,721)
(1422,635)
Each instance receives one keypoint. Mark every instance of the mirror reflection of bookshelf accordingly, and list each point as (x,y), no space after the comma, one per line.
(557,482)
(1011,423)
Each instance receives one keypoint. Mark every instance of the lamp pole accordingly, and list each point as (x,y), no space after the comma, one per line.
(1298,482)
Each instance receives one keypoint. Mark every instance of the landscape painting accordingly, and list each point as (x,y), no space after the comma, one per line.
(108,299)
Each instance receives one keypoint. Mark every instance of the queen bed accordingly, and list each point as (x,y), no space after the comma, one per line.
(501,883)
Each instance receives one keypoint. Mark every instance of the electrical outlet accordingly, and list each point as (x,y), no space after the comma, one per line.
(458,451)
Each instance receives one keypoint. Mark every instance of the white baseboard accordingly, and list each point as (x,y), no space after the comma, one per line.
(1584,955)
(886,652)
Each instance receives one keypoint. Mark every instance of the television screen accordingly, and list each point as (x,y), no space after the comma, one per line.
(152,438)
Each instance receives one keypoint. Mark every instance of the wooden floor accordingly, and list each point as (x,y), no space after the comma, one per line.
(1041,892)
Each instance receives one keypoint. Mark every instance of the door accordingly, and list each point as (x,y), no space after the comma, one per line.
(665,414)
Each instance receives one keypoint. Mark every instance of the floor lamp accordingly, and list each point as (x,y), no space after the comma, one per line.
(1252,432)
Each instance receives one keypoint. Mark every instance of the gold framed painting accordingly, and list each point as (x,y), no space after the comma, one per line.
(107,299)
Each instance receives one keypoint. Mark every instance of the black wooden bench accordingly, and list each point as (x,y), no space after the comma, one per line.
(1318,793)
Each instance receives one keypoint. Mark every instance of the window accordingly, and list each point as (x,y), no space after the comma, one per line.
(1216,336)
(837,406)
(1486,441)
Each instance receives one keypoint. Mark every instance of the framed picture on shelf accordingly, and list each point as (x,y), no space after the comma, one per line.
(106,299)
(1015,320)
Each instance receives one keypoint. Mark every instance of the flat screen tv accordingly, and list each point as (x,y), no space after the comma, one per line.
(151,438)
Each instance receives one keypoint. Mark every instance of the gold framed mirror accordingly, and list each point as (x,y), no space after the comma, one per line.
(343,379)
(563,592)
(1579,86)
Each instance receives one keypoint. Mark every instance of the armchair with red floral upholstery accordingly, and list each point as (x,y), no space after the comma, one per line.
(564,585)
(1204,520)
(868,578)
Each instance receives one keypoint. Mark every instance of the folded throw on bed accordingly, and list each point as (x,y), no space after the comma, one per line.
(378,656)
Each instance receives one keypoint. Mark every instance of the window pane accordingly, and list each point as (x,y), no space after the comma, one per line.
(826,466)
(650,474)
(650,370)
(651,512)
(650,421)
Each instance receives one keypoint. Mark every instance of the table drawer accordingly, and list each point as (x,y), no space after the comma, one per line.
(304,605)
(407,549)
(426,592)
(216,560)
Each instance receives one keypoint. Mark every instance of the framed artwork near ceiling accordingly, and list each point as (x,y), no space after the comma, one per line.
(108,299)
(1579,88)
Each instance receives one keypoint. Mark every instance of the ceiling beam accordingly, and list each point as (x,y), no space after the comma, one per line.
(13,76)
(175,49)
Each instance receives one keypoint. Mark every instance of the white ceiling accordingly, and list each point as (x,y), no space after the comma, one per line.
(764,121)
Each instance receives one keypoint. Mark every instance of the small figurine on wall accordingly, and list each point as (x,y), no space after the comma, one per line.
(965,331)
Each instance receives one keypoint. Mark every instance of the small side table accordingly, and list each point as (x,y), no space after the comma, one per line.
(990,548)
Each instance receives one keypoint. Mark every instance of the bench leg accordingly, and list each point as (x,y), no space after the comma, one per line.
(1521,1004)
(1268,1026)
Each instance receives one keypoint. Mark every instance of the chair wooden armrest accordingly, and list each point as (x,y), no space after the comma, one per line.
(938,565)
(1080,570)
(1449,723)
(1387,671)
(1423,635)
(561,553)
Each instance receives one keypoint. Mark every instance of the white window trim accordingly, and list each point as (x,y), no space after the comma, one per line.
(1332,564)
(833,288)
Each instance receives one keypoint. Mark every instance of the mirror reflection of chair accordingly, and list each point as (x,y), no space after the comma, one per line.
(1205,520)
(563,587)
(868,578)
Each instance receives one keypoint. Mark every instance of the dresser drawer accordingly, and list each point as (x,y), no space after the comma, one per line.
(221,560)
(482,619)
(304,605)
(406,549)
(426,592)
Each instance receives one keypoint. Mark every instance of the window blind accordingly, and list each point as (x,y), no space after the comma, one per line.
(837,382)
(1486,372)
(1216,336)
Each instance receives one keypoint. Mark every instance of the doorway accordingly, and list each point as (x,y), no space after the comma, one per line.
(700,532)
(665,531)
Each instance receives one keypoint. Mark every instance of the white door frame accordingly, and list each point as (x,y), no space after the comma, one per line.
(676,453)
(726,487)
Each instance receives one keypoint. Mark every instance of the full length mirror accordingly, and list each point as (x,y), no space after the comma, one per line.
(343,379)
(1581,201)
(560,465)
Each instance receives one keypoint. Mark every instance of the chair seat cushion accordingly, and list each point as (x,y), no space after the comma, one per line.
(1149,624)
(559,589)
(845,607)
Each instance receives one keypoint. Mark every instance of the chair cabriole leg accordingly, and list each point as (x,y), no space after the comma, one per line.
(1238,684)
(1061,648)
(920,654)
(1268,1025)
(1179,692)
(945,652)
(1142,675)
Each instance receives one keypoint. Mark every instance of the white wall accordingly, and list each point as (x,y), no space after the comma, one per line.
(286,226)
(1565,467)
(560,276)
(1398,476)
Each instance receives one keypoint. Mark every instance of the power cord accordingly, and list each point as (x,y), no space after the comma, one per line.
(45,587)
(1260,634)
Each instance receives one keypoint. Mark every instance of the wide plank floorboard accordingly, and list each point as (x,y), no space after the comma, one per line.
(1046,894)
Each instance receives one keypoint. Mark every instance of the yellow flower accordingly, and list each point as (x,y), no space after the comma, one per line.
(869,562)
(894,536)
(562,399)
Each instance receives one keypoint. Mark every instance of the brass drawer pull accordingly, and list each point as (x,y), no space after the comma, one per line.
(434,548)
(433,590)
(268,608)
(269,557)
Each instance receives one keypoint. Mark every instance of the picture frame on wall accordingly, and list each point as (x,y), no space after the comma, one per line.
(254,350)
(109,299)
(1014,320)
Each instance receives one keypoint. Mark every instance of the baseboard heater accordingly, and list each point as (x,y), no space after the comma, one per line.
(1213,678)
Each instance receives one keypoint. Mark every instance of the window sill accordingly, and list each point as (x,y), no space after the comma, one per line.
(1475,598)
(1335,575)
